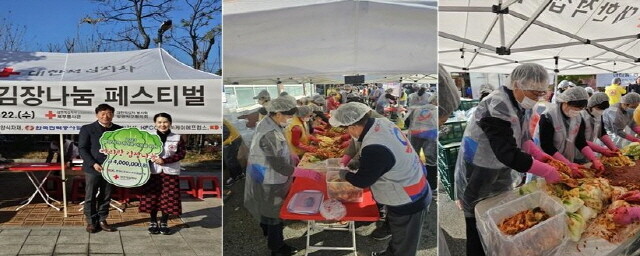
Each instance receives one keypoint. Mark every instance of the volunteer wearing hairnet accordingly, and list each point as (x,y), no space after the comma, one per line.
(561,130)
(297,133)
(619,116)
(594,126)
(589,91)
(497,141)
(419,98)
(393,171)
(423,135)
(615,91)
(263,97)
(317,103)
(384,101)
(269,170)
(562,86)
(447,95)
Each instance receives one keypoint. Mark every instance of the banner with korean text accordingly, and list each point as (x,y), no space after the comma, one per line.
(62,107)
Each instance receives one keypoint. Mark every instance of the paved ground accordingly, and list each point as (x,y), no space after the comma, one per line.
(452,225)
(199,234)
(243,236)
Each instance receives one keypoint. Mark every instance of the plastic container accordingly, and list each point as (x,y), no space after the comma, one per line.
(447,156)
(546,238)
(333,162)
(341,190)
(452,131)
(306,202)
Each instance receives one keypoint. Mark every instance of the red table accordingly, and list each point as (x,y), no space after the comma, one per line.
(30,169)
(367,210)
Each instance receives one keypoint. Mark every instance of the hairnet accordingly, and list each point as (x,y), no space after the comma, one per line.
(263,95)
(388,90)
(597,99)
(529,76)
(284,93)
(616,80)
(348,114)
(564,84)
(486,88)
(573,94)
(589,90)
(448,99)
(630,98)
(318,99)
(281,104)
(433,99)
(304,111)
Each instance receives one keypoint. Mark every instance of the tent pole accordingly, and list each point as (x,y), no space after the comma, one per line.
(61,149)
(484,40)
(467,41)
(604,52)
(464,9)
(528,23)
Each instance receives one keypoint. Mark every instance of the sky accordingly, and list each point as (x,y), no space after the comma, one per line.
(52,23)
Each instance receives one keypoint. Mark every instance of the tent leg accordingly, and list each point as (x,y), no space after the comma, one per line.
(64,176)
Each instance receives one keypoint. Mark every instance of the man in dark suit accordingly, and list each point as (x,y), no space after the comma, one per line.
(635,87)
(96,208)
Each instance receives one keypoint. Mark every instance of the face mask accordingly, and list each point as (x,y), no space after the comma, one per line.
(597,112)
(573,113)
(305,119)
(527,103)
(285,124)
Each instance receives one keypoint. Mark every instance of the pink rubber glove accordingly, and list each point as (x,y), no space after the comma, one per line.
(558,156)
(626,215)
(636,129)
(306,148)
(631,138)
(295,159)
(600,149)
(530,148)
(345,160)
(631,197)
(314,139)
(549,173)
(587,152)
(609,143)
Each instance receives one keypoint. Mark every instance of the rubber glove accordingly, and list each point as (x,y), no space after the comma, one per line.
(530,148)
(558,156)
(313,138)
(345,137)
(295,159)
(345,144)
(607,141)
(631,197)
(307,148)
(549,173)
(588,153)
(318,131)
(631,138)
(600,149)
(626,215)
(345,160)
(636,129)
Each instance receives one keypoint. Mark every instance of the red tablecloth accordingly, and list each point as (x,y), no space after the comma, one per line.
(39,167)
(364,211)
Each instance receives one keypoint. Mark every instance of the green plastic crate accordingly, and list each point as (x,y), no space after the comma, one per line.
(447,156)
(468,104)
(454,132)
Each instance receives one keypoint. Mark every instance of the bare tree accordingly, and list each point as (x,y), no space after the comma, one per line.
(11,36)
(131,14)
(199,31)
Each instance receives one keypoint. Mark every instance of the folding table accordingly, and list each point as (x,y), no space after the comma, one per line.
(30,170)
(367,210)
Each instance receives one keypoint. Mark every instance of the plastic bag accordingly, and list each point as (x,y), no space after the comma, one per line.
(332,209)
(546,238)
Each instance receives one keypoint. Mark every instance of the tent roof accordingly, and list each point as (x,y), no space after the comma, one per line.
(323,40)
(586,37)
(149,64)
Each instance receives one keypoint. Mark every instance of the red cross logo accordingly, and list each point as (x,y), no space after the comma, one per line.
(116,176)
(6,72)
(50,115)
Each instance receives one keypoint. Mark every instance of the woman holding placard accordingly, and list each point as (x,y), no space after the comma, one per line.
(162,191)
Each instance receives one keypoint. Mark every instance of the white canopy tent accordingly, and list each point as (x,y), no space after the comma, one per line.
(566,37)
(56,93)
(320,41)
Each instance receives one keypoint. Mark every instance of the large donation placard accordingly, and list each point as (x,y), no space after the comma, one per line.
(128,153)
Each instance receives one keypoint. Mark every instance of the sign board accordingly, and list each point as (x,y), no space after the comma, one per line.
(603,80)
(128,153)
